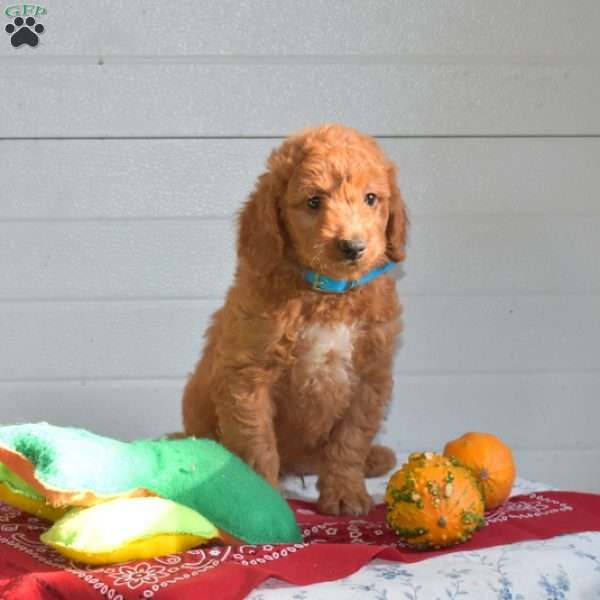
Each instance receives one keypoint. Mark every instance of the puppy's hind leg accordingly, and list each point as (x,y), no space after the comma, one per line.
(380,460)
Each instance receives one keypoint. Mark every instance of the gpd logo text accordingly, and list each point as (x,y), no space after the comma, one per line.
(24,10)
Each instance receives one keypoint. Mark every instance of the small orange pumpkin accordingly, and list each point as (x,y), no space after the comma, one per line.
(433,501)
(490,459)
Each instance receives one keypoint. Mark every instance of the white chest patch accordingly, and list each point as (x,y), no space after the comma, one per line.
(326,350)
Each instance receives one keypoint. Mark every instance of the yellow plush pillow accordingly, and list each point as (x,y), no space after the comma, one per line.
(35,506)
(15,492)
(128,529)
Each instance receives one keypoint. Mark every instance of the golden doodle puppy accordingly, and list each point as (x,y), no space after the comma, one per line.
(297,366)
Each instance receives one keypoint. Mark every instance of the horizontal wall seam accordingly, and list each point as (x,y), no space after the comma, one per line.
(440,294)
(399,375)
(230,218)
(281,136)
(107,60)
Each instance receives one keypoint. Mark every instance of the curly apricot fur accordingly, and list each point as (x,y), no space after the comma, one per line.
(261,386)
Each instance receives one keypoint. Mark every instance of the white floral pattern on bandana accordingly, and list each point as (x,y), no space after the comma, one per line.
(133,576)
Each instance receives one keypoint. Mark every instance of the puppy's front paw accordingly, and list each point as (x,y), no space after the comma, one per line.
(344,499)
(267,469)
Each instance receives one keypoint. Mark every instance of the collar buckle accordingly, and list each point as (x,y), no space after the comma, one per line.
(317,282)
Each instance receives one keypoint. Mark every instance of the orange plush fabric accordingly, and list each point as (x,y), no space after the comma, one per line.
(294,380)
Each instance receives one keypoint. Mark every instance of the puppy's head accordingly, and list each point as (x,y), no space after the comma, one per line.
(328,202)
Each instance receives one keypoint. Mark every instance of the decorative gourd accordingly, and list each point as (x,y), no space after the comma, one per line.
(491,461)
(433,501)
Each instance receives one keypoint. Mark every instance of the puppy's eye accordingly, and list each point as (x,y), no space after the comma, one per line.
(370,199)
(314,202)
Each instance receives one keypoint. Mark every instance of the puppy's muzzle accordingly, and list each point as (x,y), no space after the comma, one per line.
(352,249)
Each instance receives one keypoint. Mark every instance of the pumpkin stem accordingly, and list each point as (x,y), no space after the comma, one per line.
(484,475)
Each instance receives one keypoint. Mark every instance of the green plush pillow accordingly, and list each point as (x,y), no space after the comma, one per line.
(128,529)
(74,467)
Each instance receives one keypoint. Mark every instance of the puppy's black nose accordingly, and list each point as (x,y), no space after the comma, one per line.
(352,249)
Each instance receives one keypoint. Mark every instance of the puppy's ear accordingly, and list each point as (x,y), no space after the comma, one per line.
(262,235)
(397,224)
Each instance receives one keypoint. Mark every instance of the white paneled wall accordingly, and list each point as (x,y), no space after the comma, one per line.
(132,134)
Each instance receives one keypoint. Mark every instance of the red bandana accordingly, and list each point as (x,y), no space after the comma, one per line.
(333,547)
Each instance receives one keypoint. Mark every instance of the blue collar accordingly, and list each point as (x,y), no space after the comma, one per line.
(322,283)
